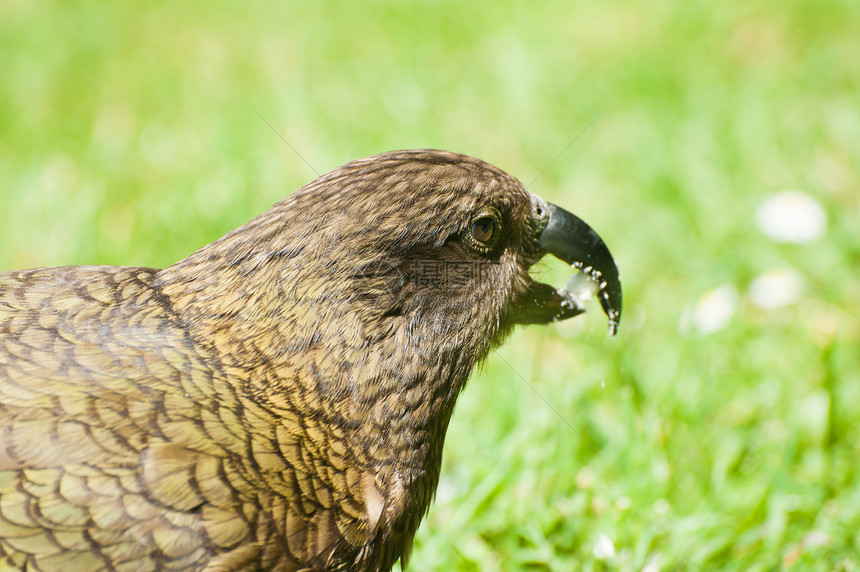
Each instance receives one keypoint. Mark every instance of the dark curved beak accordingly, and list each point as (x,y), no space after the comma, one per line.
(570,239)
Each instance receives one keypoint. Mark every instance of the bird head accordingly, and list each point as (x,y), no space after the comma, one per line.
(443,234)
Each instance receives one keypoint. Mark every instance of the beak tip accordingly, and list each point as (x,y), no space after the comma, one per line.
(569,238)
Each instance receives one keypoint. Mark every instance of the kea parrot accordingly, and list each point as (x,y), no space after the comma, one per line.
(278,400)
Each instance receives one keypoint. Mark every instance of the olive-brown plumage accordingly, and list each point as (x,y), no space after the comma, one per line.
(279,399)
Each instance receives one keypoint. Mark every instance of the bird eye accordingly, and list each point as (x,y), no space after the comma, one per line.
(483,229)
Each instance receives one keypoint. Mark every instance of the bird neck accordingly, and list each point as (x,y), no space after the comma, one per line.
(378,367)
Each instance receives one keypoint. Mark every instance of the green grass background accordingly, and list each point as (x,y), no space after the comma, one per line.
(131,133)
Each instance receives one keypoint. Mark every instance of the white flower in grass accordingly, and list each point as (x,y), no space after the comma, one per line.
(714,309)
(816,539)
(776,288)
(653,564)
(792,216)
(604,549)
